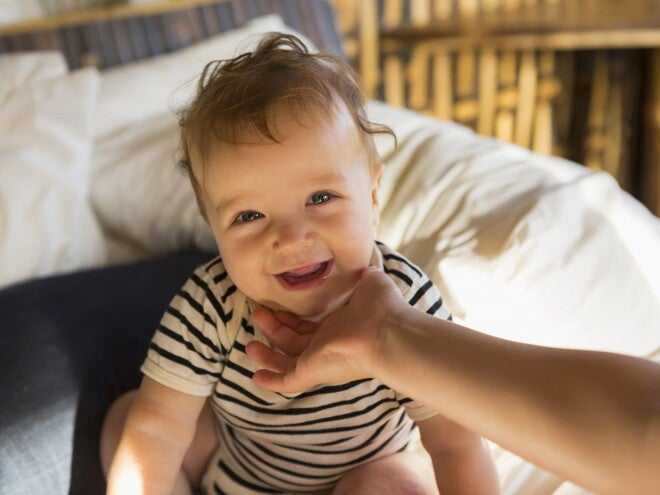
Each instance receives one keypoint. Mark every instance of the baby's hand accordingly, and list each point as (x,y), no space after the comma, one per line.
(344,346)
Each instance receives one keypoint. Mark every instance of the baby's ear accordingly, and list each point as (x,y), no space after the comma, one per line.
(377,177)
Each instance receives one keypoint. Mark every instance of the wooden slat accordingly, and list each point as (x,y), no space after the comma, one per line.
(369,46)
(227,15)
(135,28)
(548,90)
(392,13)
(346,14)
(468,9)
(329,37)
(394,76)
(107,51)
(564,108)
(651,175)
(443,95)
(418,77)
(504,125)
(442,10)
(153,35)
(613,145)
(542,130)
(112,36)
(524,80)
(527,81)
(600,92)
(567,40)
(119,11)
(489,7)
(466,111)
(120,42)
(487,91)
(511,5)
(420,12)
(465,73)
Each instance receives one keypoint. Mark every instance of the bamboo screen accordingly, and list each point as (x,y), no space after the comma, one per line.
(580,104)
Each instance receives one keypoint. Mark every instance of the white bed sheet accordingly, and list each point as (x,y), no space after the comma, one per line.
(523,246)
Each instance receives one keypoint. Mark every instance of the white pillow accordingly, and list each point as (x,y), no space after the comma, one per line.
(141,194)
(46,224)
(137,190)
(151,87)
(20,10)
(523,246)
(27,68)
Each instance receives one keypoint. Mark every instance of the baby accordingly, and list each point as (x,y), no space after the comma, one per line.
(282,160)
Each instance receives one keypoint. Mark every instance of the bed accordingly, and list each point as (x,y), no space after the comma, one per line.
(98,228)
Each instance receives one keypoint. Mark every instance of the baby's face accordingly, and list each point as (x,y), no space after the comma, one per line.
(294,221)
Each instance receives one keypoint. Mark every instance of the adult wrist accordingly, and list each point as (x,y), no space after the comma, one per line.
(390,338)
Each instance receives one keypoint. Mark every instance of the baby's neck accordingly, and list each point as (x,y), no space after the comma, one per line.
(321,316)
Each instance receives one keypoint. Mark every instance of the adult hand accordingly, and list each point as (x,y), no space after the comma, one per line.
(344,346)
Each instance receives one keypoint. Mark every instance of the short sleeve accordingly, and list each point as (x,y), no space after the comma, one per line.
(420,292)
(186,352)
(424,296)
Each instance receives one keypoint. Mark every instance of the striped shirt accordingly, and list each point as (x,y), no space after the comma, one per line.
(272,442)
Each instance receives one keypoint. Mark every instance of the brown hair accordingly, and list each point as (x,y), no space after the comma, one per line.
(235,97)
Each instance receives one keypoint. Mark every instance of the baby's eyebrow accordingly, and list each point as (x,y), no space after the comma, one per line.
(232,200)
(329,178)
(320,181)
(224,204)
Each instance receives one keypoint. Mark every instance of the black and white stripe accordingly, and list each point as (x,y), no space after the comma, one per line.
(271,442)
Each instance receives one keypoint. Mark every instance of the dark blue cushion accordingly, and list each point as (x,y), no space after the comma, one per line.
(69,345)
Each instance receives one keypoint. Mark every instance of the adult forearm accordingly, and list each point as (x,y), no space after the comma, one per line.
(590,417)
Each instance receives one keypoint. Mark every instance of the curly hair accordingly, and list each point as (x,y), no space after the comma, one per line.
(235,98)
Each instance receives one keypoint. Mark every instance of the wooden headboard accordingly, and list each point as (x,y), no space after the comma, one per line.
(112,36)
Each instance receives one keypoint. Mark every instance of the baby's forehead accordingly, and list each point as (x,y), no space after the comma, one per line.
(288,117)
(288,125)
(282,124)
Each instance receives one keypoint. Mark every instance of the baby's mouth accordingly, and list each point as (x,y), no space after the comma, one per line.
(305,277)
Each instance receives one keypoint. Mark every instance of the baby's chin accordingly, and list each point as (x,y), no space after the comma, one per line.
(311,312)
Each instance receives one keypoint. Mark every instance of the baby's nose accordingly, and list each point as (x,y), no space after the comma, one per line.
(292,236)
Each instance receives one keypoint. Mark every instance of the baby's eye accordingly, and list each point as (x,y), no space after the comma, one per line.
(247,216)
(320,197)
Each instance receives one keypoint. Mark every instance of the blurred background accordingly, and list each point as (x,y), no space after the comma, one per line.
(574,78)
(578,79)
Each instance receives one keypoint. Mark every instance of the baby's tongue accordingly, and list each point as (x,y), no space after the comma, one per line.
(302,273)
(305,270)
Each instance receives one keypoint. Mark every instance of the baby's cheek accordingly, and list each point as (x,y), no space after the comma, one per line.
(357,257)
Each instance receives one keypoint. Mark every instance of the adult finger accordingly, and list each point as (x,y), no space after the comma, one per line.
(277,382)
(268,358)
(280,335)
(295,323)
(266,320)
(272,328)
